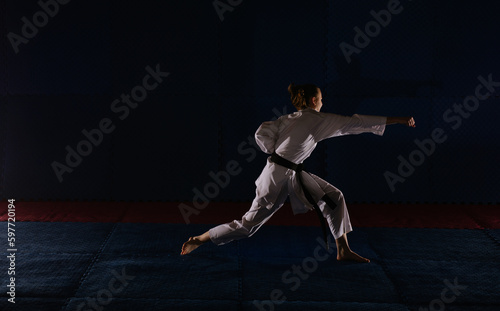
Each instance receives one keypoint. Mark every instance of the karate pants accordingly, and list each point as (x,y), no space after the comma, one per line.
(338,218)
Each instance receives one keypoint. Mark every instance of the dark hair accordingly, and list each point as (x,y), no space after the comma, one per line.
(301,94)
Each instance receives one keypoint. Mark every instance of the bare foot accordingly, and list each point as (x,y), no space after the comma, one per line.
(191,245)
(348,255)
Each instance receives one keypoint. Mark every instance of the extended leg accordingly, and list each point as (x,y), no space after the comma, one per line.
(237,229)
(250,222)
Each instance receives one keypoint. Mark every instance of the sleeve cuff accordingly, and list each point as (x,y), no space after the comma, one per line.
(375,124)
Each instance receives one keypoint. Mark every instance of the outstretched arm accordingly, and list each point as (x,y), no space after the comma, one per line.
(336,125)
(401,120)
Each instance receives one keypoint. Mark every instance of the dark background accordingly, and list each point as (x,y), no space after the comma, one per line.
(226,78)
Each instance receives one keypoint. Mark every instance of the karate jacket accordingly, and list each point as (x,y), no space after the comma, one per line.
(294,137)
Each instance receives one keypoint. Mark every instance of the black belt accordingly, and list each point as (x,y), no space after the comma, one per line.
(299,168)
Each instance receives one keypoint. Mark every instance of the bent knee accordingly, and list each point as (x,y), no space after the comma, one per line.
(336,198)
(339,195)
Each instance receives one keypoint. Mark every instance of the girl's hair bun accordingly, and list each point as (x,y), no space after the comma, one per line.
(300,94)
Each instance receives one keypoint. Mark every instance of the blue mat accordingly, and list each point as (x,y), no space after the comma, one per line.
(94,266)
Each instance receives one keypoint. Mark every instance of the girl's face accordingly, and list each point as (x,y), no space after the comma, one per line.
(316,102)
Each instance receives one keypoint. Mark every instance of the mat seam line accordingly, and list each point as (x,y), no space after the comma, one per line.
(474,220)
(402,298)
(491,237)
(90,266)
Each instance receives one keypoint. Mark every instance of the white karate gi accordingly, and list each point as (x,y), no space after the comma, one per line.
(294,137)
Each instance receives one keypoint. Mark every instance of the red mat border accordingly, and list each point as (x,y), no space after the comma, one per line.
(455,216)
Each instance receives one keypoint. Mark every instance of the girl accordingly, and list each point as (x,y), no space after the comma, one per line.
(291,139)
